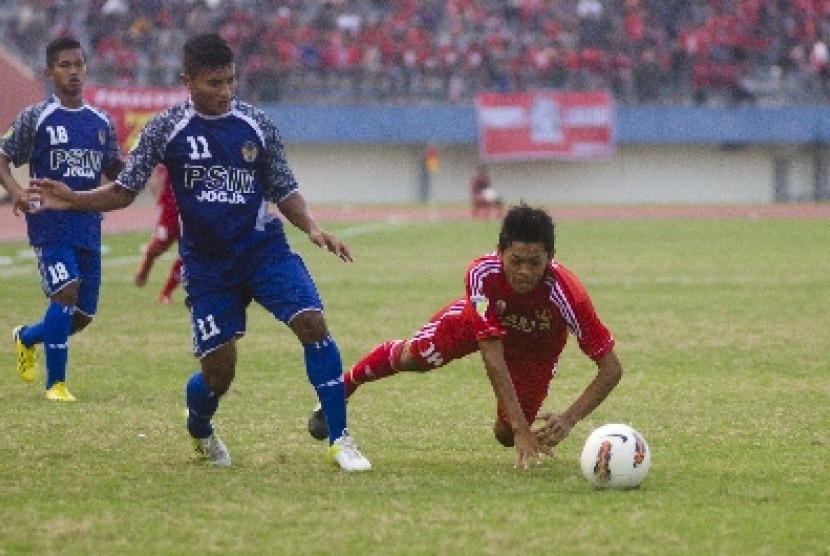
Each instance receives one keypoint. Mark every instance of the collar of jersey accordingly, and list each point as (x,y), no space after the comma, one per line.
(192,108)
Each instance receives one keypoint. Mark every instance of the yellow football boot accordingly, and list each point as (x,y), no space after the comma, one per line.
(26,358)
(59,393)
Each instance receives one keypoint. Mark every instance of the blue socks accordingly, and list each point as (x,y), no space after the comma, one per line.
(53,331)
(201,405)
(325,372)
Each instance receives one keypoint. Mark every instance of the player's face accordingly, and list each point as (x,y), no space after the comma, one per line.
(524,265)
(68,74)
(212,90)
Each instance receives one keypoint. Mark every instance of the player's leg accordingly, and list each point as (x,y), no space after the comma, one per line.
(57,322)
(502,429)
(324,368)
(381,362)
(173,280)
(160,242)
(445,337)
(503,432)
(84,304)
(27,336)
(283,286)
(202,393)
(61,280)
(531,380)
(217,319)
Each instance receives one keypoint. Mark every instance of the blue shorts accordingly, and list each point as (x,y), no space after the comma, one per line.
(59,265)
(276,279)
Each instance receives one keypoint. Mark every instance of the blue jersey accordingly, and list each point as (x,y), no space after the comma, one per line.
(72,145)
(224,171)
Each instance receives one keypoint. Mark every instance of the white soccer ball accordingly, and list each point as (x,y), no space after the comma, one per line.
(615,456)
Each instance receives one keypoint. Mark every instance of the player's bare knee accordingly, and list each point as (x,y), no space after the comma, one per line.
(219,368)
(503,434)
(219,380)
(79,322)
(68,295)
(309,327)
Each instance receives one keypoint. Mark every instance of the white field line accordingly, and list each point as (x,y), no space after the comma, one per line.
(23,263)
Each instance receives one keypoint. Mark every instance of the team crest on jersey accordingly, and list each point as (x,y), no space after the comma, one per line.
(249,151)
(102,136)
(480,304)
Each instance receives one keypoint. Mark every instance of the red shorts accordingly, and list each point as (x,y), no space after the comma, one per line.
(450,335)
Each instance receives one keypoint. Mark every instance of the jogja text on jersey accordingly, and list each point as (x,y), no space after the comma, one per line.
(221,185)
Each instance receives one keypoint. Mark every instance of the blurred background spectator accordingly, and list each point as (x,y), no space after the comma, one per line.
(678,52)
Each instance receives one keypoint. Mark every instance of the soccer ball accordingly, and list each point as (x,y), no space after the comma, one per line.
(615,456)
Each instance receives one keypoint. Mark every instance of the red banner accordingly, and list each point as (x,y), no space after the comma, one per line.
(131,107)
(545,125)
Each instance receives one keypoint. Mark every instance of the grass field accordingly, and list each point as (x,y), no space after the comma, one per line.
(722,328)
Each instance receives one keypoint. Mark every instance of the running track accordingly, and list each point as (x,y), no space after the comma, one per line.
(141,216)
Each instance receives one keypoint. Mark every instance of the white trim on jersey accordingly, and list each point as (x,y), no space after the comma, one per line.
(50,108)
(481,271)
(248,120)
(188,115)
(428,330)
(263,217)
(558,297)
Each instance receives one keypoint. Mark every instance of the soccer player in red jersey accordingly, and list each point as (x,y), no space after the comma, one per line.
(519,307)
(165,234)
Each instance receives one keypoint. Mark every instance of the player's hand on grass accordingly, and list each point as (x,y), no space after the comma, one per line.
(44,193)
(331,243)
(529,450)
(553,430)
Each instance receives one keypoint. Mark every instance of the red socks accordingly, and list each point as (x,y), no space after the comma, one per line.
(381,362)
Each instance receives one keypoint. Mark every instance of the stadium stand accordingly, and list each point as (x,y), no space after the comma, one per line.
(654,52)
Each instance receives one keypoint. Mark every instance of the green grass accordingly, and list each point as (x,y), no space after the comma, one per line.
(722,328)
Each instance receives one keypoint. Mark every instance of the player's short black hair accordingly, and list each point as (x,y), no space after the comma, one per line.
(206,51)
(528,225)
(58,45)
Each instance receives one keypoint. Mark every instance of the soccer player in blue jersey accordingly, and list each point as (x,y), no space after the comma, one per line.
(61,138)
(226,162)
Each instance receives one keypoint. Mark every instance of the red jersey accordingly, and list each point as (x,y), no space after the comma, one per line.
(533,327)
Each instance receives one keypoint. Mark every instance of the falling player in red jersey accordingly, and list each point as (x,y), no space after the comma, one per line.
(165,234)
(519,307)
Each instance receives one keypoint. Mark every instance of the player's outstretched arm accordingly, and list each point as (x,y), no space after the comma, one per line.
(44,194)
(528,447)
(555,428)
(295,210)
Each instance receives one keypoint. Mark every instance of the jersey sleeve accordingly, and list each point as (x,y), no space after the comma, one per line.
(112,152)
(147,153)
(18,141)
(570,295)
(481,276)
(278,179)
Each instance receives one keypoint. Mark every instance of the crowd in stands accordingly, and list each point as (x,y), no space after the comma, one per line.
(417,51)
